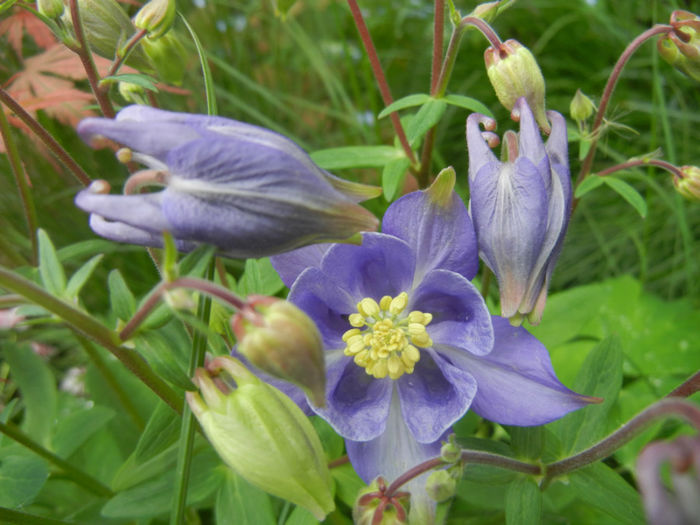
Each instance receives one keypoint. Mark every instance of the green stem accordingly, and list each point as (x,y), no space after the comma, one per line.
(61,154)
(21,180)
(187,428)
(111,380)
(88,327)
(15,517)
(79,477)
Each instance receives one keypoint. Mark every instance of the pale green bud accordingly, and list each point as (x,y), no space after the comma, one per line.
(489,10)
(262,434)
(689,185)
(451,452)
(167,55)
(581,107)
(50,8)
(156,17)
(441,485)
(133,93)
(280,339)
(681,46)
(514,73)
(368,501)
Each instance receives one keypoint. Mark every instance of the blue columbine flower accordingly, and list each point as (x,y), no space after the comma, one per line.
(247,190)
(410,345)
(520,207)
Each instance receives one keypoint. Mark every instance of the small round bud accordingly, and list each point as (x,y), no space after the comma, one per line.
(167,54)
(50,8)
(262,434)
(689,185)
(280,339)
(451,452)
(156,17)
(581,107)
(514,73)
(133,93)
(371,500)
(441,485)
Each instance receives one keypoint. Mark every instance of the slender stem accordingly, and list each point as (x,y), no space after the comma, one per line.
(25,192)
(83,51)
(111,380)
(187,429)
(642,162)
(379,76)
(423,175)
(16,517)
(342,460)
(208,288)
(61,154)
(659,410)
(608,91)
(124,54)
(88,327)
(688,387)
(78,476)
(438,32)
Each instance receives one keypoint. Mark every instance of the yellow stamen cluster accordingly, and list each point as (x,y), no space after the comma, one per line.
(383,341)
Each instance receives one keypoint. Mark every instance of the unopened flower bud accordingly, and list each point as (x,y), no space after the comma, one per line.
(133,93)
(489,10)
(514,73)
(50,8)
(167,54)
(367,505)
(451,452)
(156,17)
(689,185)
(280,339)
(441,485)
(262,435)
(581,107)
(681,46)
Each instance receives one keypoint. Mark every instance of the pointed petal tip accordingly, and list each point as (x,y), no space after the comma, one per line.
(440,191)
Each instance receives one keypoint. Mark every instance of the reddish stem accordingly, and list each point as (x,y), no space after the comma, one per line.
(438,32)
(642,162)
(688,387)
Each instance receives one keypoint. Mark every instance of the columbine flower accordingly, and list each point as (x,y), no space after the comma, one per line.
(410,345)
(520,207)
(246,190)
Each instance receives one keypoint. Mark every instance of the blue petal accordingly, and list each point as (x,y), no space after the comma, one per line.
(440,236)
(142,211)
(480,153)
(516,382)
(460,316)
(382,265)
(434,396)
(357,404)
(530,143)
(289,265)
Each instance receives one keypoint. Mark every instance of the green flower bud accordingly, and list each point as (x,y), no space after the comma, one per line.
(262,434)
(581,107)
(441,485)
(280,339)
(167,55)
(489,10)
(156,17)
(50,8)
(367,504)
(451,452)
(514,73)
(133,93)
(689,185)
(681,46)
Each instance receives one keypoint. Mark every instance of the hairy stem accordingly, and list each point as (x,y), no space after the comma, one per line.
(642,162)
(688,387)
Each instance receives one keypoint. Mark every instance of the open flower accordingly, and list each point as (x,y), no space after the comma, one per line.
(247,190)
(520,207)
(410,345)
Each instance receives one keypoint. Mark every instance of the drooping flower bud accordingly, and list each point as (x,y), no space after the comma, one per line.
(581,107)
(689,185)
(156,17)
(50,8)
(133,93)
(167,54)
(262,435)
(681,46)
(514,73)
(280,339)
(441,485)
(371,501)
(451,452)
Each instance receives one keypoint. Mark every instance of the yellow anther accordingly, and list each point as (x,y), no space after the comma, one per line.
(383,341)
(124,155)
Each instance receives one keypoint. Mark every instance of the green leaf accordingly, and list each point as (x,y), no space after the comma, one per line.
(165,352)
(76,428)
(301,516)
(589,183)
(601,487)
(259,277)
(332,443)
(428,115)
(206,70)
(120,297)
(80,277)
(393,175)
(628,193)
(469,103)
(38,387)
(601,376)
(409,101)
(355,157)
(162,431)
(347,484)
(523,503)
(240,503)
(527,442)
(21,479)
(139,79)
(50,269)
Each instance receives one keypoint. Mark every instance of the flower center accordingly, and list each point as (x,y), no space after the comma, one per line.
(383,341)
